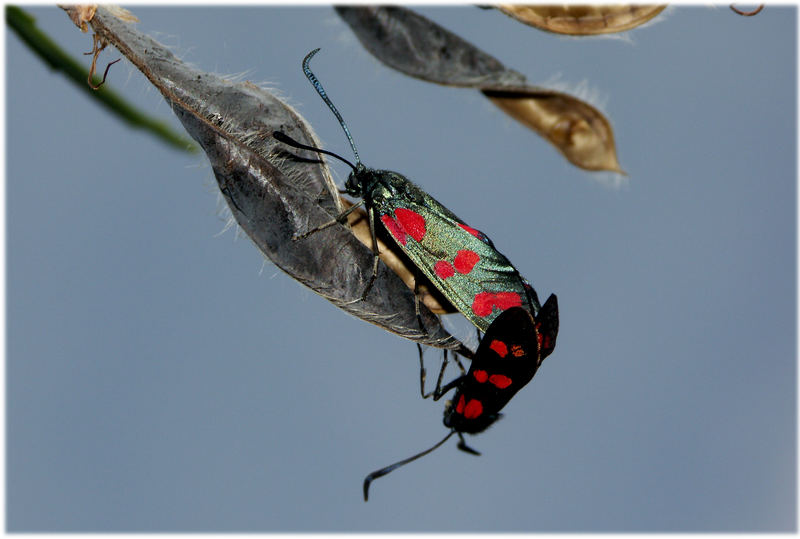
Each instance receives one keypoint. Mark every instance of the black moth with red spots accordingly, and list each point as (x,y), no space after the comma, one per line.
(473,276)
(459,260)
(507,359)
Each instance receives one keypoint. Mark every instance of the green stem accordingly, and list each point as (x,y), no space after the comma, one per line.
(24,25)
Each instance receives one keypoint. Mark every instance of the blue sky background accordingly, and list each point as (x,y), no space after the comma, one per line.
(161,377)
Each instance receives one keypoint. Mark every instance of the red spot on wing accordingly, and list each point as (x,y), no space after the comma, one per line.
(506,300)
(460,405)
(481,376)
(473,409)
(500,380)
(517,351)
(395,229)
(444,269)
(477,233)
(484,302)
(412,222)
(465,260)
(499,347)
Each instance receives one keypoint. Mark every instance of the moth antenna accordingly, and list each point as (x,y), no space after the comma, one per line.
(321,91)
(383,471)
(286,139)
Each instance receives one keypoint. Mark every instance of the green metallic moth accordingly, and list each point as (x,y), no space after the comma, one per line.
(462,262)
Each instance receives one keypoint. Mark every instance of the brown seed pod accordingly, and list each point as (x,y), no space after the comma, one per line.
(582,20)
(412,44)
(579,131)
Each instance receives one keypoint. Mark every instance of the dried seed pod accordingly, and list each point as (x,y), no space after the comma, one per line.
(416,46)
(579,131)
(275,195)
(582,20)
(81,14)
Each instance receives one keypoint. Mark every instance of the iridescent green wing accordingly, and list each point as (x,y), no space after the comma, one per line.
(459,260)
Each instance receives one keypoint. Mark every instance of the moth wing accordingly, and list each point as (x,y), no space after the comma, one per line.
(460,261)
(547,326)
(505,362)
(511,342)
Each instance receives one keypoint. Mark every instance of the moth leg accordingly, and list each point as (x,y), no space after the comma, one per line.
(462,445)
(458,362)
(460,366)
(340,219)
(419,346)
(437,392)
(375,253)
(440,391)
(416,302)
(422,373)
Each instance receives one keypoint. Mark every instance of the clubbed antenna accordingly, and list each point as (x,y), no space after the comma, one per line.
(321,91)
